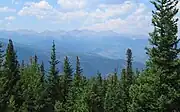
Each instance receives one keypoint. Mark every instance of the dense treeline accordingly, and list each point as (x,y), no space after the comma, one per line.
(27,87)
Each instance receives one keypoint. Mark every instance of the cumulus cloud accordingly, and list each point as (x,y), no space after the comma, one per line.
(10,18)
(137,21)
(127,17)
(7,9)
(106,11)
(72,4)
(39,9)
(43,10)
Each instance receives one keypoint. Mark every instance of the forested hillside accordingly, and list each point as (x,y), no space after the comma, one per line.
(27,87)
(91,63)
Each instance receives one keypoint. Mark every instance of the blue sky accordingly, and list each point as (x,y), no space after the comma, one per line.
(122,16)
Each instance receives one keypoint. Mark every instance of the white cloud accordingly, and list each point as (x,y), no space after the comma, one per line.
(10,18)
(127,17)
(7,9)
(40,5)
(40,9)
(72,4)
(137,22)
(106,11)
(43,10)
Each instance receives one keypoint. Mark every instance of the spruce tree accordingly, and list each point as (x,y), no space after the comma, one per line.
(53,72)
(129,70)
(78,73)
(67,79)
(11,78)
(35,59)
(163,54)
(125,90)
(78,85)
(53,78)
(31,88)
(112,101)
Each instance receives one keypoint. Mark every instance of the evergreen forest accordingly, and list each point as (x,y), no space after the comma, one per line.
(29,87)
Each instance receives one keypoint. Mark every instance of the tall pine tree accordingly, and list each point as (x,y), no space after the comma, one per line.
(129,70)
(78,73)
(67,79)
(164,54)
(11,78)
(53,79)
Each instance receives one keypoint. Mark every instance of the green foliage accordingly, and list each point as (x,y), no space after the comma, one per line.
(10,77)
(31,87)
(129,69)
(53,91)
(157,89)
(112,101)
(66,79)
(26,88)
(143,94)
(164,54)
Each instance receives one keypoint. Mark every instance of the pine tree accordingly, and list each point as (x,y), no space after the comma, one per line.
(53,62)
(113,101)
(78,73)
(143,93)
(42,72)
(31,88)
(53,79)
(78,85)
(67,79)
(163,54)
(11,76)
(35,59)
(100,92)
(125,90)
(129,70)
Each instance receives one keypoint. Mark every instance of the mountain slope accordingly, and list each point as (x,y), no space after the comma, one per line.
(90,63)
(106,44)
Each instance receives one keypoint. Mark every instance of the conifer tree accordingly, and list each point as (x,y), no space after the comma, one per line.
(53,62)
(31,88)
(42,72)
(129,70)
(78,73)
(78,85)
(125,90)
(100,91)
(163,54)
(53,84)
(35,59)
(112,101)
(67,79)
(11,76)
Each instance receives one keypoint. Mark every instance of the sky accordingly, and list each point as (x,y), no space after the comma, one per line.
(122,16)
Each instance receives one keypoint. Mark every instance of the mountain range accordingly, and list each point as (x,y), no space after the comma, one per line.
(98,51)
